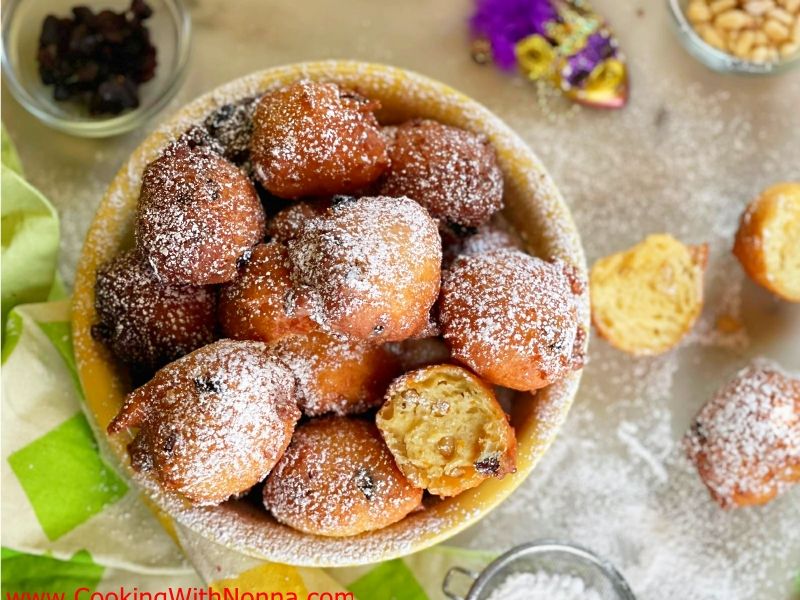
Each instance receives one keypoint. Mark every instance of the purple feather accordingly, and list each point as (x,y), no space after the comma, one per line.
(505,22)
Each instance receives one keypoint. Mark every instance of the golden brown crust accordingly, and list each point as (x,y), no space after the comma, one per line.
(451,172)
(446,430)
(468,241)
(647,298)
(745,442)
(338,478)
(147,322)
(286,225)
(767,244)
(416,353)
(371,266)
(512,318)
(197,215)
(337,376)
(316,139)
(261,303)
(213,423)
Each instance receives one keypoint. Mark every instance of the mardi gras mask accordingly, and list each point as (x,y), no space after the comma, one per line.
(561,41)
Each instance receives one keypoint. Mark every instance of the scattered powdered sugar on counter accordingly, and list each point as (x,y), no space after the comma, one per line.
(635,498)
(684,158)
(544,586)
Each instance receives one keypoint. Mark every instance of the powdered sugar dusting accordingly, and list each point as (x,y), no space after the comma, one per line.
(339,478)
(261,304)
(451,172)
(145,321)
(315,138)
(197,215)
(540,585)
(746,440)
(337,376)
(213,423)
(371,262)
(636,499)
(286,225)
(507,308)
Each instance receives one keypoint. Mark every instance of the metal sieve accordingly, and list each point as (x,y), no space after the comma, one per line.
(552,557)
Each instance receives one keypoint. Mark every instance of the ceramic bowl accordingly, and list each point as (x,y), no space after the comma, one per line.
(535,209)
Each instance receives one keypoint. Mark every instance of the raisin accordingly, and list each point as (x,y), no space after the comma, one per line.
(489,465)
(208,385)
(242,261)
(169,443)
(462,231)
(100,332)
(97,59)
(341,199)
(365,483)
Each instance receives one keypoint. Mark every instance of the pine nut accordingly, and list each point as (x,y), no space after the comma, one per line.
(793,6)
(732,19)
(698,11)
(789,48)
(718,6)
(744,44)
(759,54)
(781,16)
(776,31)
(759,7)
(712,36)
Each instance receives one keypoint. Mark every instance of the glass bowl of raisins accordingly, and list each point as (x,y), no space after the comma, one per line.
(94,68)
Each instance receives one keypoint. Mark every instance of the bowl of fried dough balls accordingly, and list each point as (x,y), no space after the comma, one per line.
(330,314)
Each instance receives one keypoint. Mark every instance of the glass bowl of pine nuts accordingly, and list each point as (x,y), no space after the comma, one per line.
(756,37)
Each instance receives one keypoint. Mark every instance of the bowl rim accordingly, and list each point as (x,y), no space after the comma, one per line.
(233,524)
(104,127)
(718,60)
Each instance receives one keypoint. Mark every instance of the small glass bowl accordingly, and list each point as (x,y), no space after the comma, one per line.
(718,60)
(170,30)
(551,557)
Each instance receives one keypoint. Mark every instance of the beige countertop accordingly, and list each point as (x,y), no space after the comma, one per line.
(690,150)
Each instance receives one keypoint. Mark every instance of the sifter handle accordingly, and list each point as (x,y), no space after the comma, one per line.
(461,572)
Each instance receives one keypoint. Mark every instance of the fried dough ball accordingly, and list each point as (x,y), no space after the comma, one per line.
(147,322)
(286,225)
(489,238)
(198,214)
(338,478)
(261,303)
(745,442)
(446,430)
(415,353)
(213,423)
(337,376)
(468,241)
(316,139)
(647,298)
(513,318)
(768,240)
(451,172)
(371,267)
